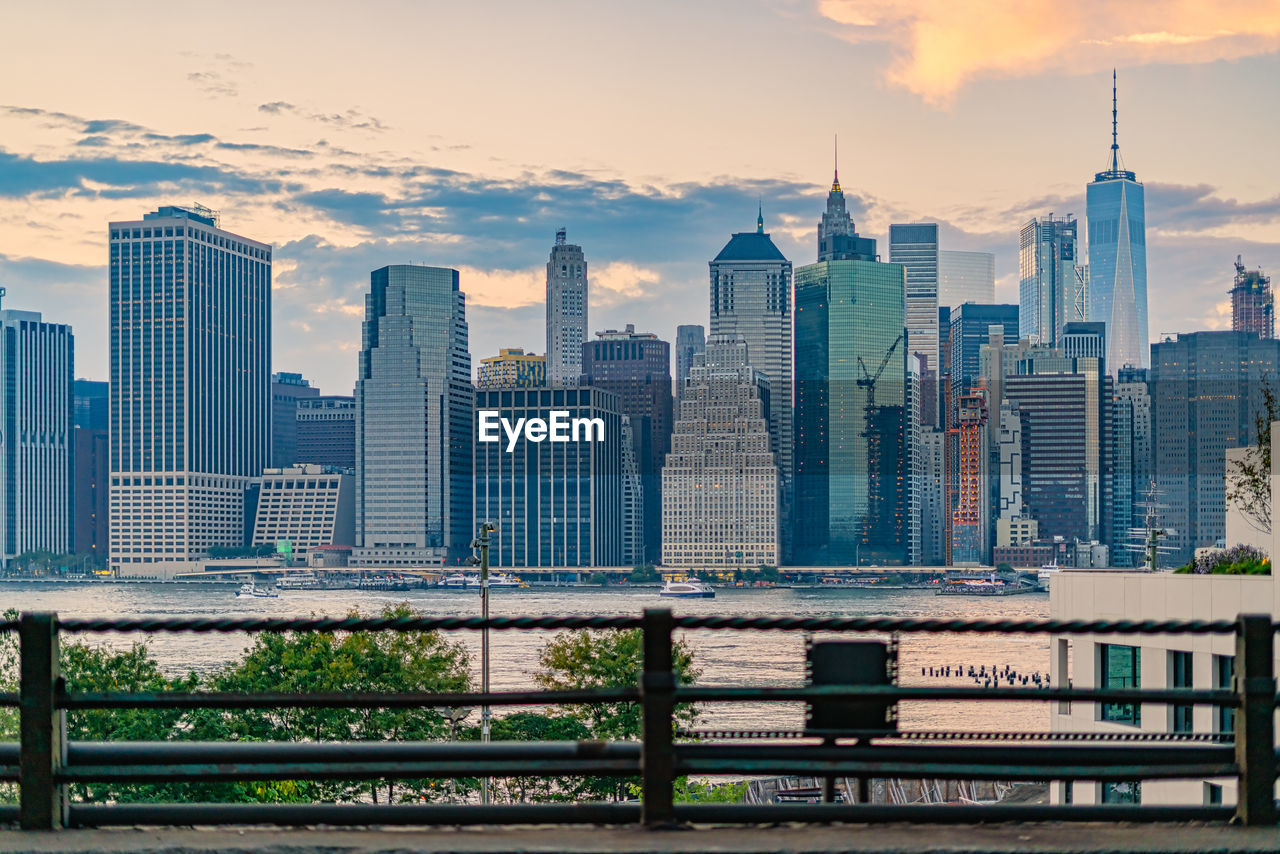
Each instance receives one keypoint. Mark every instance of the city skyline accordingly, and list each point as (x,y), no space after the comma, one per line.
(343,186)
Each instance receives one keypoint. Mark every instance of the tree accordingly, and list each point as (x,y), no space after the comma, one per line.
(646,574)
(1249,478)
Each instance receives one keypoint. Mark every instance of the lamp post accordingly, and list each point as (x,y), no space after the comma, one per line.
(482,543)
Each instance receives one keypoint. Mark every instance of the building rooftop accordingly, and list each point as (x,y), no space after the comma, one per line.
(750,246)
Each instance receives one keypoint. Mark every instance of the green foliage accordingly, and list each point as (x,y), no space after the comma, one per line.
(1004,566)
(646,574)
(223,552)
(765,573)
(1237,560)
(598,578)
(532,726)
(1249,479)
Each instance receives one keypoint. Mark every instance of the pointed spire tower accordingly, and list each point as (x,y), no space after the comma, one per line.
(1117,273)
(837,237)
(760,218)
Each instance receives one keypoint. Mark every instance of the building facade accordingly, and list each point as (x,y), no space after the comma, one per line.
(287,390)
(92,455)
(966,277)
(636,366)
(327,431)
(414,427)
(852,471)
(37,451)
(512,368)
(915,247)
(555,503)
(971,329)
(720,482)
(305,506)
(1052,290)
(567,298)
(751,300)
(190,315)
(1252,303)
(691,340)
(1206,390)
(1115,208)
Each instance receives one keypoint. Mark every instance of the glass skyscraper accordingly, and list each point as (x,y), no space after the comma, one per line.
(1052,290)
(852,474)
(966,277)
(915,247)
(190,384)
(1116,213)
(414,427)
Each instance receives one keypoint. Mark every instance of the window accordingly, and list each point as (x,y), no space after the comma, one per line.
(1224,667)
(1180,677)
(1119,667)
(1212,794)
(1123,792)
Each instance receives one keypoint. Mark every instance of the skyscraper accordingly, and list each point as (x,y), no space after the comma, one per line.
(915,247)
(852,471)
(720,482)
(837,238)
(1252,303)
(92,454)
(1116,213)
(970,329)
(286,391)
(36,440)
(691,339)
(966,277)
(636,366)
(1052,289)
(566,311)
(751,300)
(327,431)
(414,427)
(1131,462)
(190,385)
(555,503)
(970,520)
(1206,390)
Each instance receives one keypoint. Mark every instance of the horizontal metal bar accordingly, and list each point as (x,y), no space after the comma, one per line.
(116,815)
(734,694)
(88,753)
(349,700)
(10,698)
(345,624)
(1046,756)
(8,814)
(10,752)
(907,770)
(941,814)
(888,625)
(482,767)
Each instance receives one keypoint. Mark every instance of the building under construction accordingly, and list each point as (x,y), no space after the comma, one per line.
(1252,304)
(969,520)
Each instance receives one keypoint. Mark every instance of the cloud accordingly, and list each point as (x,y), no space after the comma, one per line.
(939,46)
(112,177)
(352,119)
(213,83)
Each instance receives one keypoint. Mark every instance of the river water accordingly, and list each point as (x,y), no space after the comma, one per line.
(725,657)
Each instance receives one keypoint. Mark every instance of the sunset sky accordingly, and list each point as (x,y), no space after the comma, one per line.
(463,134)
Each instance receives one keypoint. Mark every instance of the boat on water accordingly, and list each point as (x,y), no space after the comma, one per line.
(690,589)
(985,587)
(249,590)
(299,581)
(497,580)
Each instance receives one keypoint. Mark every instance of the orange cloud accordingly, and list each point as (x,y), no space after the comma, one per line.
(940,45)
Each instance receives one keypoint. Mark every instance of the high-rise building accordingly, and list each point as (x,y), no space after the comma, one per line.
(636,366)
(691,339)
(1009,450)
(933,524)
(915,247)
(751,300)
(852,470)
(1206,390)
(190,385)
(327,431)
(1131,463)
(971,325)
(837,238)
(970,519)
(556,503)
(286,391)
(633,510)
(37,409)
(512,368)
(720,482)
(1052,289)
(1252,303)
(414,427)
(567,299)
(966,277)
(92,454)
(305,506)
(1116,212)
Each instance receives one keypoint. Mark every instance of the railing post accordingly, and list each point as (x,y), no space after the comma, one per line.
(1255,686)
(657,694)
(43,800)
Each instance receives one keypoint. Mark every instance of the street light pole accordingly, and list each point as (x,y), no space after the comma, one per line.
(483,540)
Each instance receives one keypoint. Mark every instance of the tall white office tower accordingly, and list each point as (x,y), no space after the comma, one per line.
(414,426)
(566,312)
(190,386)
(36,422)
(751,301)
(965,277)
(915,247)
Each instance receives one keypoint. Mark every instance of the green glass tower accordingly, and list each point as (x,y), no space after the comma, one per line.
(851,443)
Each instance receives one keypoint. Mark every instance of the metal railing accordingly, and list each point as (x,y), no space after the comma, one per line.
(44,763)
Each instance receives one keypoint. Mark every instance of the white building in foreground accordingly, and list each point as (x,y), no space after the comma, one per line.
(1152,661)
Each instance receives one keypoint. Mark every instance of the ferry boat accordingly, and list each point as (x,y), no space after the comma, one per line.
(691,589)
(1047,571)
(472,582)
(305,580)
(249,590)
(457,580)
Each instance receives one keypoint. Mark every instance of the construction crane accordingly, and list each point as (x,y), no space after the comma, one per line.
(868,381)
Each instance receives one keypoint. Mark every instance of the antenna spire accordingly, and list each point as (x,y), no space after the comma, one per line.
(835,181)
(760,218)
(1115,145)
